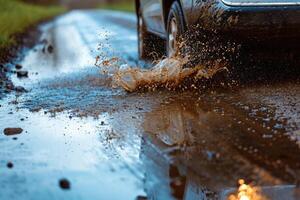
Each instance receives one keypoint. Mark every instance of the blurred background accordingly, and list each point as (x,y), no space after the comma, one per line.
(17,16)
(125,5)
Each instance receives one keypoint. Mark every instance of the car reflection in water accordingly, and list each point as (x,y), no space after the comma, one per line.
(190,153)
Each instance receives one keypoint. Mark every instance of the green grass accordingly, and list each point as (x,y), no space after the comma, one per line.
(16,16)
(127,6)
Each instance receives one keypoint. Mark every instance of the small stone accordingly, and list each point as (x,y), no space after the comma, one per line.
(15,138)
(64,184)
(18,66)
(9,86)
(50,48)
(5,69)
(102,123)
(21,74)
(37,109)
(12,131)
(44,41)
(20,89)
(10,165)
(141,198)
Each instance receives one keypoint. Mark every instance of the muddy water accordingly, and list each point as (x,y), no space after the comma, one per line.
(168,73)
(192,144)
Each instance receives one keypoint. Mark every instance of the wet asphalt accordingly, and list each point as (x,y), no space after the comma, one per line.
(84,139)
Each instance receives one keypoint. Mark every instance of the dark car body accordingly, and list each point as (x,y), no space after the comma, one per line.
(241,18)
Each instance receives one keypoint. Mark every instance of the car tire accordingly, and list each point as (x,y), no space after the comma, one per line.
(175,29)
(146,41)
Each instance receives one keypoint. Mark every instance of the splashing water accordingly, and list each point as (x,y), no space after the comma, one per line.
(168,72)
(246,192)
(201,54)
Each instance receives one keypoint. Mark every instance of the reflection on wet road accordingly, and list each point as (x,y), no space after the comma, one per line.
(109,144)
(222,142)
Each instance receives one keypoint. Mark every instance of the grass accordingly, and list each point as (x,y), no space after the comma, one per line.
(16,16)
(127,6)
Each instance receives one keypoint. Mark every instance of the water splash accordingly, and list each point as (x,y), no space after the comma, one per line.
(168,72)
(200,54)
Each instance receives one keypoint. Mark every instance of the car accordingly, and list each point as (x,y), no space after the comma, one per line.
(251,20)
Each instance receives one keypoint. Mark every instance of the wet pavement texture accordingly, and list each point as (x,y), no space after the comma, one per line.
(83,139)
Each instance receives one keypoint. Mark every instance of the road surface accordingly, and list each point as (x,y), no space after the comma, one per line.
(84,139)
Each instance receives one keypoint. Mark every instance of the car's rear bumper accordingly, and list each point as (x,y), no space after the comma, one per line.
(256,21)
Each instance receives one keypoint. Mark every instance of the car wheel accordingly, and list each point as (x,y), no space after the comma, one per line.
(175,28)
(146,40)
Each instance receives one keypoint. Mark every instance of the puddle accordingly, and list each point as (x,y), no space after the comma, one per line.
(203,138)
(60,147)
(82,135)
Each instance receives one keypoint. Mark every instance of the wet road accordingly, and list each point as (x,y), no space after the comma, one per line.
(110,144)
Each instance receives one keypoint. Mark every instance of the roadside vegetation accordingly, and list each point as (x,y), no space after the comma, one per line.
(16,16)
(125,5)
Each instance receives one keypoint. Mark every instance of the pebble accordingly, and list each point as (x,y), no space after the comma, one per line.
(22,73)
(18,66)
(10,165)
(141,198)
(20,89)
(64,184)
(12,131)
(50,48)
(9,86)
